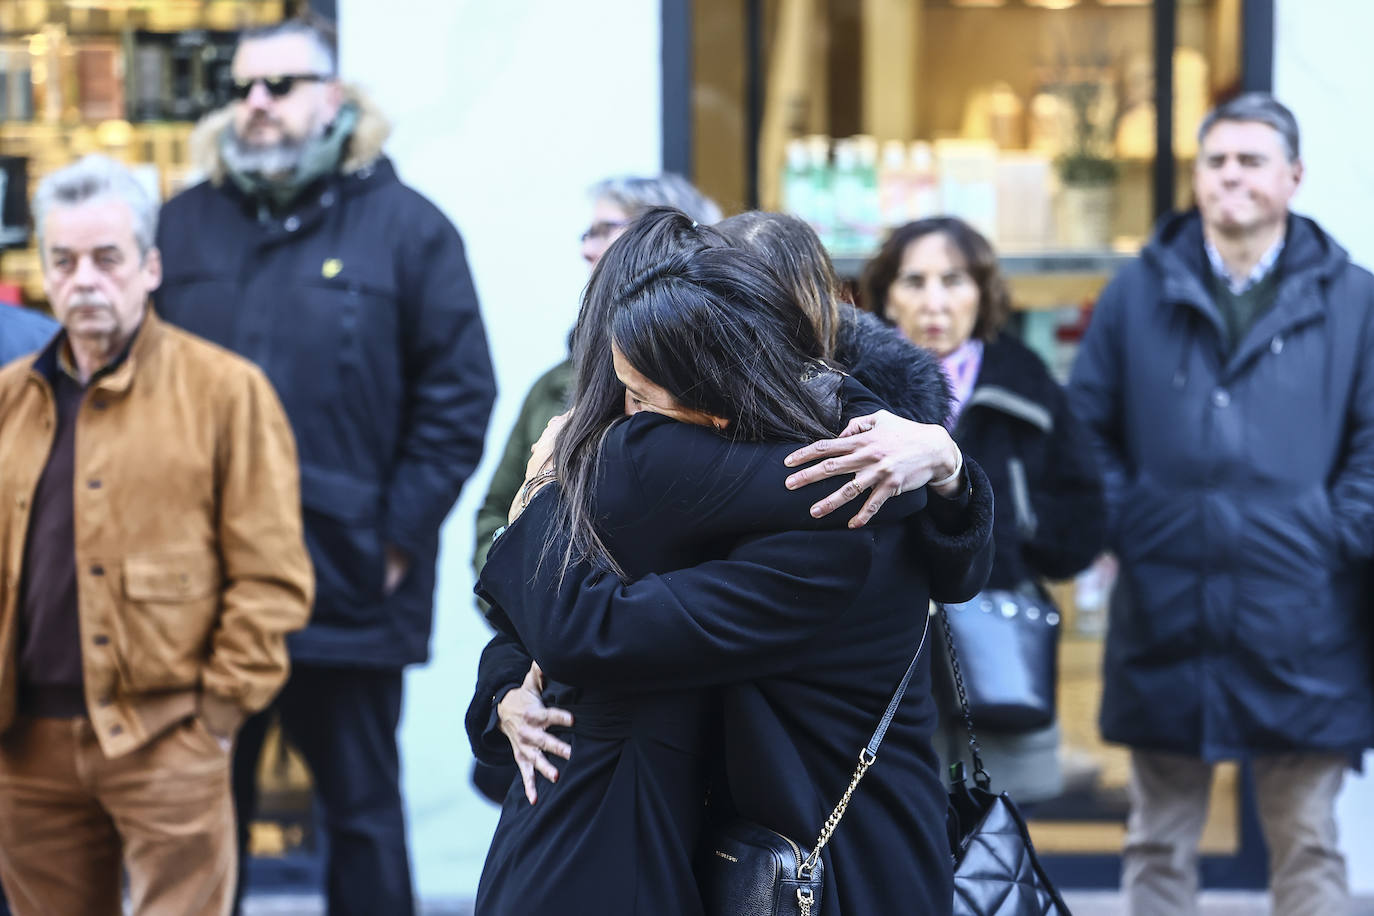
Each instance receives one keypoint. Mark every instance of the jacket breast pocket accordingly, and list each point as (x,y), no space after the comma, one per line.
(171,604)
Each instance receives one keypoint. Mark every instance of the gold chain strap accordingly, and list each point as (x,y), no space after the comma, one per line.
(866,760)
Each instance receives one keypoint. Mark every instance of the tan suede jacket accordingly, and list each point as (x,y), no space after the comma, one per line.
(191,562)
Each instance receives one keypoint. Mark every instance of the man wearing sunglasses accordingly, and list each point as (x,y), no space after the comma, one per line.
(304,252)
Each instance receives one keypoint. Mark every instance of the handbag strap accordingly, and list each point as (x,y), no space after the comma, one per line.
(867,757)
(980,775)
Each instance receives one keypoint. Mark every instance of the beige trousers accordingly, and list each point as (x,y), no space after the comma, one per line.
(71,820)
(1296,796)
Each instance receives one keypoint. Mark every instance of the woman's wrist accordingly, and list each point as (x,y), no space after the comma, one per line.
(531,486)
(535,483)
(948,486)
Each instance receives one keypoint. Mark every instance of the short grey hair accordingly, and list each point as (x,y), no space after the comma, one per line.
(1256,106)
(92,177)
(636,195)
(325,57)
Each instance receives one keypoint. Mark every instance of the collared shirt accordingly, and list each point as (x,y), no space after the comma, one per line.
(66,361)
(1238,285)
(961,368)
(50,665)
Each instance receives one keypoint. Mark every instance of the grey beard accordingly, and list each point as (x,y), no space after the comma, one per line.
(272,162)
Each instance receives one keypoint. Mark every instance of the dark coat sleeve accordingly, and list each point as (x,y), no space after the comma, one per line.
(953,536)
(954,539)
(449,384)
(719,622)
(1067,500)
(502,667)
(715,487)
(1095,394)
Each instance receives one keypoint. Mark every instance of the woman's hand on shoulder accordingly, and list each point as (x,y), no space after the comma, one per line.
(887,455)
(525,721)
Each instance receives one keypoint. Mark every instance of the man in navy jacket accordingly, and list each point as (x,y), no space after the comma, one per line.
(1228,380)
(304,252)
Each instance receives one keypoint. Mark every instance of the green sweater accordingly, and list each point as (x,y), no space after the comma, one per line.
(1241,311)
(548,398)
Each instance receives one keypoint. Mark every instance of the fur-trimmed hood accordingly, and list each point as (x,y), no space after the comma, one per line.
(907,377)
(364,147)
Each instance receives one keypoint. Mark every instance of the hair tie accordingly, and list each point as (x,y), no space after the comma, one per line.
(694,224)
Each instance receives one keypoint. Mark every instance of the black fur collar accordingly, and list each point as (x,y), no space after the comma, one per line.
(904,376)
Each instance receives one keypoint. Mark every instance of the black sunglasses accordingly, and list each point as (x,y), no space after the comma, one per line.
(277,86)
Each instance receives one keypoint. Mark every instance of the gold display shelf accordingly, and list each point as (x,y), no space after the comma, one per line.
(113,17)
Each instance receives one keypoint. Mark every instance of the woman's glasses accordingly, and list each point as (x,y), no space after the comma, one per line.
(276,86)
(603,229)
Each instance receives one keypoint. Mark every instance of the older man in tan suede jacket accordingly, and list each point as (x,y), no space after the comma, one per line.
(151,564)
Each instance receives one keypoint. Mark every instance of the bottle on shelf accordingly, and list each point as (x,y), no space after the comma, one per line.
(895,185)
(798,196)
(848,188)
(924,200)
(867,216)
(822,217)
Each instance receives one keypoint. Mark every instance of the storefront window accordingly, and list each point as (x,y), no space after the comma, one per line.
(127,78)
(1032,119)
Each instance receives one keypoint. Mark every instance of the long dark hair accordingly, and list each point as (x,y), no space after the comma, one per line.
(994,302)
(795,253)
(707,322)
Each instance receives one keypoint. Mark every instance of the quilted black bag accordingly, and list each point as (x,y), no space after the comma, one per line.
(996,870)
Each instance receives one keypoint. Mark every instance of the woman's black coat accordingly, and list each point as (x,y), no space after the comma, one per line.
(819,621)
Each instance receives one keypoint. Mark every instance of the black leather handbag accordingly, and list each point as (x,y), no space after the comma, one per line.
(996,870)
(745,869)
(1009,641)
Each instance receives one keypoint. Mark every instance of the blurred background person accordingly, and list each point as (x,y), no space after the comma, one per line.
(304,252)
(938,282)
(616,202)
(23,331)
(1227,379)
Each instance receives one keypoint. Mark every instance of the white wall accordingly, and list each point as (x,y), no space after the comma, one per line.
(1323,71)
(505,113)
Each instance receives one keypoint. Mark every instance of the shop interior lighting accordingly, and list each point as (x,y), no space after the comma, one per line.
(1052,4)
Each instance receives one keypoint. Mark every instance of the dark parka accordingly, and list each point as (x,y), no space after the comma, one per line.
(358,304)
(1241,501)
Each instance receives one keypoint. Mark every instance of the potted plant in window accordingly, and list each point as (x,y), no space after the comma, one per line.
(1087,176)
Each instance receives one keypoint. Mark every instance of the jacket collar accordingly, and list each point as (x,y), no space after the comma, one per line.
(1008,383)
(1310,257)
(363,151)
(120,378)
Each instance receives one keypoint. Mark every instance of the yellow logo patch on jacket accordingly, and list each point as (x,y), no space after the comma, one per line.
(331,268)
